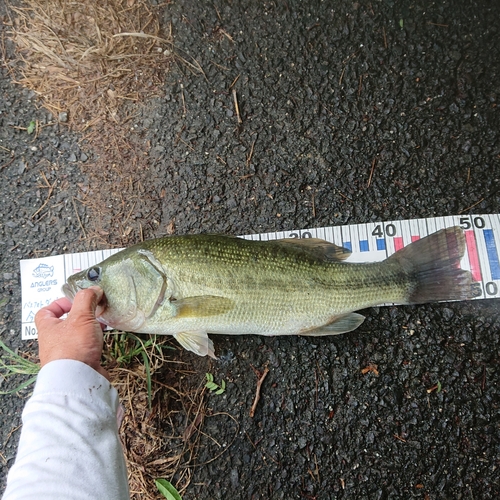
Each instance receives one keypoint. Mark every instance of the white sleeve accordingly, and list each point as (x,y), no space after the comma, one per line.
(69,446)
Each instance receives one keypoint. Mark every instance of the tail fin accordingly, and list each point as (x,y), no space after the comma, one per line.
(433,266)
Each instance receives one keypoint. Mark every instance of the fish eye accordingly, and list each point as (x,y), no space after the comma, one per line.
(94,274)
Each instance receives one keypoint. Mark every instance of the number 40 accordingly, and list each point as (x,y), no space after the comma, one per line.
(389,230)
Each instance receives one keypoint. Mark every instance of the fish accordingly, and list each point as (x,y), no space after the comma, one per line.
(189,286)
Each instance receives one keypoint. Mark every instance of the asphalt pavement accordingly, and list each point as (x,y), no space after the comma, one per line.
(348,112)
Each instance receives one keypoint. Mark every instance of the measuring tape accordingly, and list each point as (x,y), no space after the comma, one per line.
(42,279)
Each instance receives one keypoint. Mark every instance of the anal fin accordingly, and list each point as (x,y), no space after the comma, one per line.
(343,324)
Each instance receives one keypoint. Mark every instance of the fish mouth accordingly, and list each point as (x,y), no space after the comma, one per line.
(69,290)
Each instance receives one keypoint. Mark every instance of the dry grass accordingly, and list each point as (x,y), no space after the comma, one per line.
(160,439)
(87,58)
(91,63)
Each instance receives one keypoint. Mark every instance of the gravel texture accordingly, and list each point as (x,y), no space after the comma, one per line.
(326,91)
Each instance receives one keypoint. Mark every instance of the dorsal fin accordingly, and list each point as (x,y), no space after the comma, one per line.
(318,248)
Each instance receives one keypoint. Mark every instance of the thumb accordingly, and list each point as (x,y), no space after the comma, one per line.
(85,302)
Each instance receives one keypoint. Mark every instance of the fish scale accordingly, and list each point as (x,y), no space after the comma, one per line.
(330,278)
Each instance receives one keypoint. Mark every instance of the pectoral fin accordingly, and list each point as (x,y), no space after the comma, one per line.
(197,342)
(202,306)
(343,324)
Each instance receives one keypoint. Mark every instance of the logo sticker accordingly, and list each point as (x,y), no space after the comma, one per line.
(43,271)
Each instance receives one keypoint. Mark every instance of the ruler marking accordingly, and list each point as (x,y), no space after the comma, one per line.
(346,237)
(398,243)
(482,255)
(84,260)
(74,264)
(405,233)
(353,238)
(329,235)
(492,253)
(423,230)
(495,226)
(427,226)
(430,225)
(364,240)
(364,246)
(475,268)
(389,243)
(394,231)
(337,236)
(65,272)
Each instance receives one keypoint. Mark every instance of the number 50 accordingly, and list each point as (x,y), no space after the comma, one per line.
(468,222)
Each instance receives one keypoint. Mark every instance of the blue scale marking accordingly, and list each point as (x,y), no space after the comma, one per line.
(492,252)
(348,245)
(380,244)
(363,246)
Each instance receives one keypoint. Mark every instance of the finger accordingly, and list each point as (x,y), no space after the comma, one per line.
(53,311)
(85,302)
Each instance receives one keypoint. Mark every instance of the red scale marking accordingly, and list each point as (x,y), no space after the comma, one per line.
(398,243)
(415,238)
(470,241)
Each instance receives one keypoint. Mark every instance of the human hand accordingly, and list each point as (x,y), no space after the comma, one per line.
(78,337)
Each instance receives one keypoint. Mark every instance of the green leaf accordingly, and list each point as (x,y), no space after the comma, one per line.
(401,23)
(167,489)
(439,386)
(222,388)
(7,349)
(20,387)
(17,364)
(31,127)
(212,386)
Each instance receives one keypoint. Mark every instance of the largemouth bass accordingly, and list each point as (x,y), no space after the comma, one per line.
(189,286)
